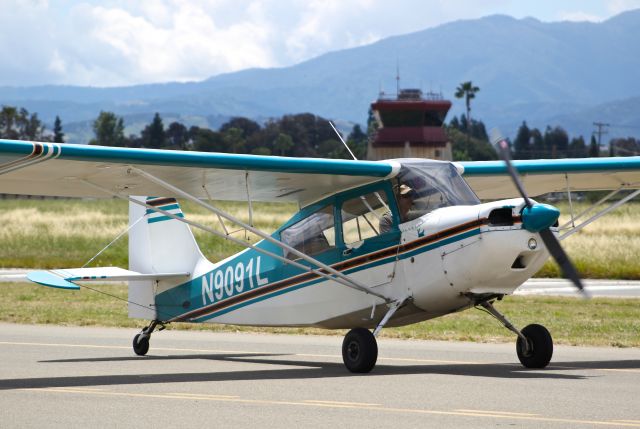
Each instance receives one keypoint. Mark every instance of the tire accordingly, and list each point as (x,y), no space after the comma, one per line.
(359,350)
(541,344)
(140,348)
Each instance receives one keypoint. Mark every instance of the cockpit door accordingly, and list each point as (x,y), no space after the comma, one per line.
(368,234)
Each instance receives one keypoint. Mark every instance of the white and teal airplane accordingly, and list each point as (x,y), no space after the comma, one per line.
(374,244)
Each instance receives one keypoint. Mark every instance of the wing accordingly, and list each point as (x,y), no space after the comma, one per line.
(33,168)
(490,179)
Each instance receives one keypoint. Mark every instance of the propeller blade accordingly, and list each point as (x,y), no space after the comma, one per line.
(550,240)
(558,253)
(503,150)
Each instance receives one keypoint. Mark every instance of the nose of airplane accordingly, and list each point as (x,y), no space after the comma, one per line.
(539,217)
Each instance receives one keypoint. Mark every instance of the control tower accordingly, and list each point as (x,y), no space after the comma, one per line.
(410,126)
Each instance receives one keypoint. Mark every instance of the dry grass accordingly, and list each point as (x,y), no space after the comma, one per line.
(66,233)
(607,248)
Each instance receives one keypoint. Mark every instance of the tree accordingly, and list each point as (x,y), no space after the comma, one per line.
(282,144)
(233,140)
(537,144)
(577,148)
(153,135)
(247,126)
(177,135)
(556,140)
(8,119)
(18,124)
(467,91)
(58,135)
(109,130)
(521,143)
(31,127)
(206,140)
(465,149)
(358,142)
(624,147)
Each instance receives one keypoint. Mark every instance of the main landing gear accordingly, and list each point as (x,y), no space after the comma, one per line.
(360,349)
(141,340)
(534,344)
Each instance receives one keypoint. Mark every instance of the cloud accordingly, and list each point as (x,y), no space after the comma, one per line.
(119,42)
(617,6)
(580,17)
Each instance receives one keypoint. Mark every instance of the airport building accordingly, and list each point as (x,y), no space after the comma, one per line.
(410,125)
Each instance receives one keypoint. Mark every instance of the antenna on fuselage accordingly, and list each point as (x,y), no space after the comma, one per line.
(342,140)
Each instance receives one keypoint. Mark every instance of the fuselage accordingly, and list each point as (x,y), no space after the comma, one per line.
(440,259)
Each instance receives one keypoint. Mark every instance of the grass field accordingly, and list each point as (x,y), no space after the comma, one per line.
(67,233)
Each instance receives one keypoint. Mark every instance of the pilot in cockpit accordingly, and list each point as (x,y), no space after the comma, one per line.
(406,197)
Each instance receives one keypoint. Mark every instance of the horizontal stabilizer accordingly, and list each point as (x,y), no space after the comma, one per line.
(47,278)
(65,279)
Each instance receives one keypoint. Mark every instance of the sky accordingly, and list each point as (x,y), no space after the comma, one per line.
(123,42)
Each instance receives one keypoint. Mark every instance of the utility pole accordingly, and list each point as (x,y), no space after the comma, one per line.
(600,132)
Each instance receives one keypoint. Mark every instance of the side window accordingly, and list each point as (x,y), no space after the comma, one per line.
(312,235)
(365,217)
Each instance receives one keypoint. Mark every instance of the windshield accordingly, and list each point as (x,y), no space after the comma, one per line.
(433,185)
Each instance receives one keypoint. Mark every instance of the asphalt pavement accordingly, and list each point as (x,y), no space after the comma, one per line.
(61,377)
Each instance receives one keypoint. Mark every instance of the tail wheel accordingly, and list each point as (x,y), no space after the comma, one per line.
(141,345)
(540,350)
(359,350)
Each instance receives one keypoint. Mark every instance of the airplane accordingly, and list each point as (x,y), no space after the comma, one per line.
(374,243)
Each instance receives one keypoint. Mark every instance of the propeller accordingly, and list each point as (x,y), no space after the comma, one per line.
(538,217)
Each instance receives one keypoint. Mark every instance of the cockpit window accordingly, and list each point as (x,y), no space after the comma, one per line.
(434,185)
(312,235)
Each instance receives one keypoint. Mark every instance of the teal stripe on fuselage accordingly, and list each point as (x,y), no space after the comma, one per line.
(390,259)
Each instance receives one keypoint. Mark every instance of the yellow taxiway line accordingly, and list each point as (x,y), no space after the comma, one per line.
(343,405)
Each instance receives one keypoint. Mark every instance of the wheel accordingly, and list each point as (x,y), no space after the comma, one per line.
(142,347)
(359,350)
(541,347)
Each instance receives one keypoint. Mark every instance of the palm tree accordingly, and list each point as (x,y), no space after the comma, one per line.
(468,91)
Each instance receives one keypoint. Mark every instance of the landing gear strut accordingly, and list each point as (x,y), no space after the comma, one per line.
(141,340)
(534,344)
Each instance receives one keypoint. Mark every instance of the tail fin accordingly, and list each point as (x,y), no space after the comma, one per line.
(157,244)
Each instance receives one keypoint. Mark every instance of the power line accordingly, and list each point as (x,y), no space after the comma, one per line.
(600,131)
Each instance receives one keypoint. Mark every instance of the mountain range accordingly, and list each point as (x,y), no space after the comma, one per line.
(562,73)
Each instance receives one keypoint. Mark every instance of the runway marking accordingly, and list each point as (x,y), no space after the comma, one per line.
(508,413)
(361,404)
(620,370)
(345,405)
(206,395)
(169,349)
(599,369)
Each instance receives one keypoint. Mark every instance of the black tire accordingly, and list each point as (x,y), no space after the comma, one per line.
(359,350)
(140,348)
(541,347)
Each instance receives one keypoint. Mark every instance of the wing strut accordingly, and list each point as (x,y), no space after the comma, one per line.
(325,271)
(598,215)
